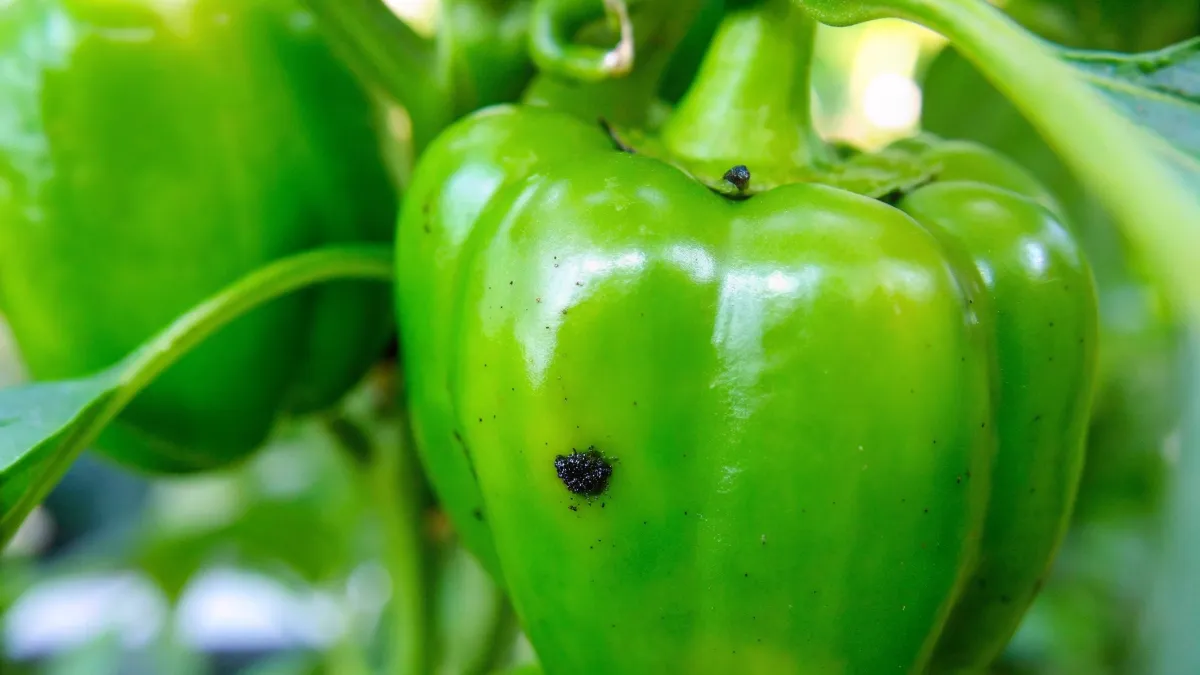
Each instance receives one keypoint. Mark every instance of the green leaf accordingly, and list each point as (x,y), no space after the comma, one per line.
(45,426)
(1158,90)
(1140,176)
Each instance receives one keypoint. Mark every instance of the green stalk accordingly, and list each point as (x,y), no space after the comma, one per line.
(389,55)
(395,482)
(751,101)
(626,100)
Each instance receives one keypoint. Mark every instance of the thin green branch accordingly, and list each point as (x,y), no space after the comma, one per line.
(389,55)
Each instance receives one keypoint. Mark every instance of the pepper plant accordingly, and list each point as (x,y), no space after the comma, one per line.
(701,390)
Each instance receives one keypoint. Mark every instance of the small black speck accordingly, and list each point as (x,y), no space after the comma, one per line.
(480,419)
(573,507)
(747,575)
(685,513)
(478,513)
(958,479)
(601,504)
(926,510)
(1037,418)
(1052,324)
(510,283)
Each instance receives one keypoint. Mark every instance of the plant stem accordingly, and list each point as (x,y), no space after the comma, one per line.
(627,100)
(389,55)
(750,103)
(395,482)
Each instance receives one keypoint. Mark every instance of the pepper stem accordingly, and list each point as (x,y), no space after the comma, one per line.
(750,103)
(628,100)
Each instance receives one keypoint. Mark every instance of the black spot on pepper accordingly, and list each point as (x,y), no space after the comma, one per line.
(478,513)
(584,473)
(573,507)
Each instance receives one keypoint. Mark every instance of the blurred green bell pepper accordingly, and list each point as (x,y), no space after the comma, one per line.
(152,152)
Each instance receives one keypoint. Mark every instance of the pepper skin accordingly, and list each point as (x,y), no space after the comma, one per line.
(795,392)
(812,408)
(150,154)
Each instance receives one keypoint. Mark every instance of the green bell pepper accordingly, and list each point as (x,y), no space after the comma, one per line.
(152,152)
(794,430)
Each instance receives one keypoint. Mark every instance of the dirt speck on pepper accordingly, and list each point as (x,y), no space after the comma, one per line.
(584,473)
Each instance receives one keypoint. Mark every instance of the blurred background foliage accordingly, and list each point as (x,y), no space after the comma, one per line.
(273,568)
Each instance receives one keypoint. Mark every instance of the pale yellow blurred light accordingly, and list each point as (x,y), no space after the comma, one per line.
(884,101)
(420,14)
(892,102)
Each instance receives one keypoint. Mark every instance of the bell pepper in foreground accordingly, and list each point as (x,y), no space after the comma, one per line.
(157,151)
(787,428)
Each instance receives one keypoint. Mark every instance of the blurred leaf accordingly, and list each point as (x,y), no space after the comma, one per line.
(1119,25)
(100,656)
(468,615)
(1160,90)
(293,509)
(286,664)
(527,669)
(45,426)
(1173,646)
